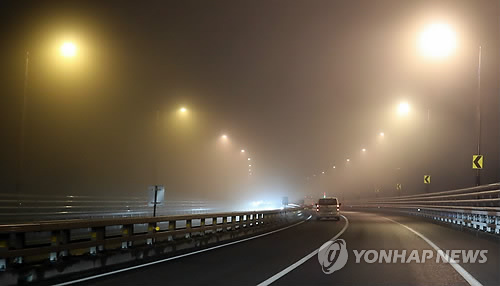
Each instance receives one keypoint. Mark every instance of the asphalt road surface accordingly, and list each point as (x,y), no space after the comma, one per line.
(290,254)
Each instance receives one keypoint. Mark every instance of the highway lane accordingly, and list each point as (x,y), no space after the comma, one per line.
(254,261)
(368,231)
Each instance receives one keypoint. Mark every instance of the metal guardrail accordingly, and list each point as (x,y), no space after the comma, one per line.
(476,207)
(51,241)
(26,207)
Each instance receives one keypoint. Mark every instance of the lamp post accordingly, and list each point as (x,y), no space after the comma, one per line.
(478,114)
(20,167)
(67,50)
(439,41)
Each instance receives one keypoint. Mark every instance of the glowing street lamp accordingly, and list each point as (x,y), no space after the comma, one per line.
(403,108)
(333,167)
(68,50)
(183,110)
(364,150)
(224,137)
(348,160)
(249,159)
(437,40)
(381,134)
(242,151)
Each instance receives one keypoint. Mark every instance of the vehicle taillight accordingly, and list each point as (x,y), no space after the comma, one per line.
(317,208)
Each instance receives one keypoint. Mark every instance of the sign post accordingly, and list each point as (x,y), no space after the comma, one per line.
(284,202)
(156,196)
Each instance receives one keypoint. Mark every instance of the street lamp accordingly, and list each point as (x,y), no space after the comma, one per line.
(68,50)
(403,108)
(242,151)
(183,110)
(348,160)
(437,40)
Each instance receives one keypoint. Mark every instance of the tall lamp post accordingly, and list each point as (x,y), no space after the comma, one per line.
(67,50)
(438,41)
(478,114)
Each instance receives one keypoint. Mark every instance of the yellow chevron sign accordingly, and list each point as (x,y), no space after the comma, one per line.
(427,179)
(477,161)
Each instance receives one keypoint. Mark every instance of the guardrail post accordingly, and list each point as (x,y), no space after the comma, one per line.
(214,223)
(4,246)
(188,227)
(97,234)
(224,223)
(152,228)
(233,222)
(17,241)
(127,231)
(59,237)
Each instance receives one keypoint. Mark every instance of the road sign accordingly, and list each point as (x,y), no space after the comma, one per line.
(398,187)
(427,179)
(156,194)
(477,161)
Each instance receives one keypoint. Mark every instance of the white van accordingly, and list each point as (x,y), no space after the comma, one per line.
(328,208)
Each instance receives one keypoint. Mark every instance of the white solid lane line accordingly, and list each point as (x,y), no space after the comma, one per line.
(460,270)
(301,261)
(176,257)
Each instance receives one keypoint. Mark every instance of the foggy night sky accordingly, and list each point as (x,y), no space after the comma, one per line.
(301,85)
